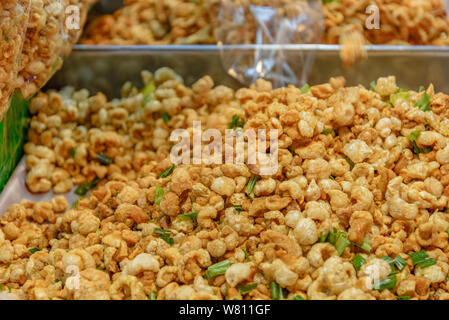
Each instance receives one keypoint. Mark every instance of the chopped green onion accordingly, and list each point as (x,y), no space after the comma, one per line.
(400,96)
(298,297)
(187,216)
(372,86)
(350,162)
(217,269)
(390,262)
(75,203)
(421,259)
(365,246)
(413,136)
(164,235)
(148,93)
(246,255)
(72,152)
(323,236)
(276,291)
(423,103)
(387,283)
(165,116)
(342,242)
(401,90)
(247,288)
(159,195)
(236,122)
(332,237)
(152,296)
(167,171)
(252,182)
(34,250)
(400,263)
(328,131)
(332,177)
(358,261)
(305,88)
(403,298)
(103,159)
(82,189)
(238,208)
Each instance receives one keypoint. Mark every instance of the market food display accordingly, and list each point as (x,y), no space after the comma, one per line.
(413,22)
(355,209)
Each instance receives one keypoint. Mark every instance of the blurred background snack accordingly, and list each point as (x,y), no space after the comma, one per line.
(13,17)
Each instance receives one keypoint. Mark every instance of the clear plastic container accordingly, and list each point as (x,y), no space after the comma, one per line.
(269,24)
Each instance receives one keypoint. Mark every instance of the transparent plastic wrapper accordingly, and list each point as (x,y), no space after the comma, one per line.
(271,24)
(54,26)
(13,20)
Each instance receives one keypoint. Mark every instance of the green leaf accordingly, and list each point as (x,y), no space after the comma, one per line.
(365,246)
(348,160)
(400,96)
(421,259)
(188,216)
(159,195)
(400,263)
(34,250)
(152,296)
(387,283)
(358,261)
(165,116)
(421,89)
(413,136)
(238,208)
(82,189)
(148,93)
(217,269)
(167,171)
(246,288)
(75,204)
(298,297)
(236,122)
(403,298)
(164,235)
(342,242)
(305,88)
(276,291)
(372,86)
(251,183)
(328,131)
(103,159)
(72,152)
(246,255)
(423,103)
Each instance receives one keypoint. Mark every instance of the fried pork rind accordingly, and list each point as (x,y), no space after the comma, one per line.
(154,22)
(13,20)
(356,209)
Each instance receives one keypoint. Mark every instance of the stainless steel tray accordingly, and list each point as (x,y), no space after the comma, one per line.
(106,68)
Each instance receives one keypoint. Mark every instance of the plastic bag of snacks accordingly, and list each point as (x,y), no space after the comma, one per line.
(269,23)
(13,17)
(54,26)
